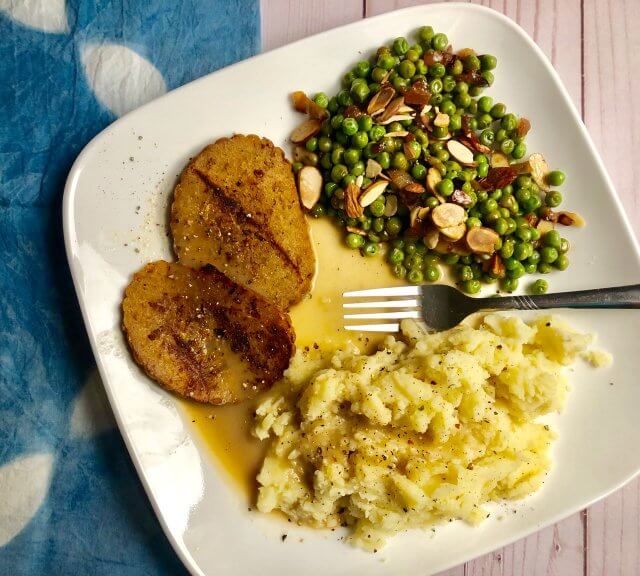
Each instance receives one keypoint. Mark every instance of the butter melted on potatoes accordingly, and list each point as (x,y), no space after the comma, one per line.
(429,428)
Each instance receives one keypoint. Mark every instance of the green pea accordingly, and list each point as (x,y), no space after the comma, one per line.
(496,194)
(484,104)
(415,276)
(553,239)
(463,100)
(522,251)
(465,273)
(359,140)
(431,202)
(498,110)
(445,187)
(376,133)
(484,121)
(487,137)
(336,121)
(487,206)
(448,83)
(421,249)
(344,98)
(549,254)
(377,207)
(523,194)
(400,46)
(350,156)
(325,161)
(348,179)
(337,155)
(448,108)
(362,68)
(524,233)
(413,54)
(517,271)
(555,178)
(415,260)
(509,122)
(473,222)
(378,225)
(500,226)
(482,195)
(473,124)
(519,150)
(330,188)
(425,34)
(491,218)
(439,41)
(432,273)
(421,69)
(457,68)
(471,286)
(532,204)
(370,248)
(338,172)
(488,62)
(321,99)
(418,171)
(297,166)
(333,105)
(400,84)
(471,62)
(437,70)
(406,69)
(354,241)
(455,122)
(509,284)
(393,226)
(357,169)
(461,87)
(562,262)
(324,144)
(539,287)
(507,249)
(399,271)
(440,131)
(348,79)
(396,256)
(386,61)
(553,199)
(360,91)
(451,259)
(488,76)
(507,146)
(483,170)
(365,123)
(317,211)
(564,246)
(400,161)
(384,159)
(378,74)
(350,126)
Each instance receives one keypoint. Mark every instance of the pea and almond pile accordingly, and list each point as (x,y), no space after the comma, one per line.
(410,155)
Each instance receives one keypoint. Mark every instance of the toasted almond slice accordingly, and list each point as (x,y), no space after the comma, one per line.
(544,226)
(570,219)
(359,181)
(302,103)
(305,131)
(431,238)
(499,160)
(523,127)
(446,246)
(372,192)
(454,232)
(409,152)
(397,134)
(461,197)
(464,52)
(441,120)
(461,153)
(395,118)
(539,170)
(373,169)
(352,205)
(496,266)
(379,102)
(391,205)
(448,214)
(404,109)
(482,240)
(426,109)
(301,154)
(414,188)
(433,178)
(309,186)
(355,230)
(418,215)
(392,108)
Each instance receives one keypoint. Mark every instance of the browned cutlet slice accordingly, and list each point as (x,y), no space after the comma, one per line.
(236,207)
(202,336)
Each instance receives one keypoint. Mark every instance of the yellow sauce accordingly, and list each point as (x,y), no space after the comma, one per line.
(317,320)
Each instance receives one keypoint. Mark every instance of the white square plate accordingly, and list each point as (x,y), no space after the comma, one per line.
(115,220)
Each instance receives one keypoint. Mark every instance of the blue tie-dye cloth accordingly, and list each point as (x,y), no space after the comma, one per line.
(70,500)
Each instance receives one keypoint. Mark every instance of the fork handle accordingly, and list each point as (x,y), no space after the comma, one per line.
(618,297)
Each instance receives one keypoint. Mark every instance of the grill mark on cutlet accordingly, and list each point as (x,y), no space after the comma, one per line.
(238,212)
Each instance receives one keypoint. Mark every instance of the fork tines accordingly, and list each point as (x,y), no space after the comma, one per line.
(405,300)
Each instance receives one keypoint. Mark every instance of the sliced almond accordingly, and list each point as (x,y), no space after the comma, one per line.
(448,214)
(395,118)
(431,238)
(392,108)
(454,232)
(523,127)
(302,103)
(352,205)
(570,219)
(482,240)
(409,152)
(417,216)
(404,109)
(461,197)
(426,109)
(441,120)
(305,131)
(446,246)
(301,154)
(380,100)
(433,178)
(373,169)
(539,169)
(495,266)
(414,188)
(359,181)
(355,230)
(499,160)
(372,192)
(391,205)
(397,134)
(309,186)
(461,153)
(544,226)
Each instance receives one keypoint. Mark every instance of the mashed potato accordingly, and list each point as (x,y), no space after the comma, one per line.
(427,429)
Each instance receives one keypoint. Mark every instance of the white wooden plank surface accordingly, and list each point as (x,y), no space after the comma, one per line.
(595,46)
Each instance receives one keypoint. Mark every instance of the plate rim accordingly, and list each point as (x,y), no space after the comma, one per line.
(70,241)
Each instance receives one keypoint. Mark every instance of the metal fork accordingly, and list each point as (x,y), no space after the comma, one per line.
(443,307)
